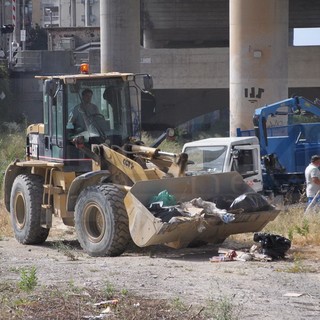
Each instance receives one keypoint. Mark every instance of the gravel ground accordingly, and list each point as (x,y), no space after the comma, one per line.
(283,289)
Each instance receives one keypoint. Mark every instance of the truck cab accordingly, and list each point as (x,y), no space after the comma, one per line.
(216,155)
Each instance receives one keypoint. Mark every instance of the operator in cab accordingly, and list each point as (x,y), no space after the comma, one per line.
(81,113)
(312,175)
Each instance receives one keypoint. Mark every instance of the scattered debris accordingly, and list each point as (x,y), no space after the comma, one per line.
(228,256)
(191,209)
(255,251)
(106,310)
(104,304)
(210,209)
(100,316)
(253,254)
(106,307)
(245,256)
(272,245)
(218,258)
(293,294)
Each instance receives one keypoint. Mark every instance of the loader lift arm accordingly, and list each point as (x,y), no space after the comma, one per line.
(135,156)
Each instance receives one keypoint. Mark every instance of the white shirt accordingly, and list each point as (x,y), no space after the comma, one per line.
(312,171)
(79,115)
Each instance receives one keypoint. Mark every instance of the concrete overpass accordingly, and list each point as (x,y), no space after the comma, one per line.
(185,46)
(205,23)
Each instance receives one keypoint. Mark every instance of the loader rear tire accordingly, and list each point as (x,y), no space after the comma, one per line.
(25,209)
(101,221)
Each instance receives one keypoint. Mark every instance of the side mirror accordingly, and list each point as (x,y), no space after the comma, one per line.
(147,82)
(169,133)
(50,87)
(235,154)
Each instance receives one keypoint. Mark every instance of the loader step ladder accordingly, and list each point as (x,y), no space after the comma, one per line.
(48,190)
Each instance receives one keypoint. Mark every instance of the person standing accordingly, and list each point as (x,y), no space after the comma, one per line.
(2,54)
(312,175)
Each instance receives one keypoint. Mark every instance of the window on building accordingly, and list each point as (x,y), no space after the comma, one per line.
(51,16)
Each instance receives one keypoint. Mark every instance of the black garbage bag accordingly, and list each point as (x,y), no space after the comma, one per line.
(272,245)
(250,202)
(223,202)
(164,213)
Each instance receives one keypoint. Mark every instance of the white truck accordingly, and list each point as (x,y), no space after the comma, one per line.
(214,155)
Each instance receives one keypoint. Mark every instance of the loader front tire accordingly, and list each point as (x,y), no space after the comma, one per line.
(25,209)
(101,221)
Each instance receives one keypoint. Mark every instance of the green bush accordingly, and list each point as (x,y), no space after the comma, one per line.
(29,279)
(12,146)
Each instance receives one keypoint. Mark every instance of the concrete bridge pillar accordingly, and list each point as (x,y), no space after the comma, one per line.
(120,35)
(258,57)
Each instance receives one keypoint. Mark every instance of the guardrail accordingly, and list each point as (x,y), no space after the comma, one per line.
(27,60)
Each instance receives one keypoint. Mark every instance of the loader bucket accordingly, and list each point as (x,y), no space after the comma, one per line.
(146,229)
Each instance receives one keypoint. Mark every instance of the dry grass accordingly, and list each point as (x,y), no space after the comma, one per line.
(12,146)
(5,225)
(294,224)
(167,145)
(74,303)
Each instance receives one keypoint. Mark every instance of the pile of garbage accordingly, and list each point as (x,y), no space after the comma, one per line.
(270,247)
(165,207)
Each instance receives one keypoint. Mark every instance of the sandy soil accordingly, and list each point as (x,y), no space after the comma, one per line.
(259,290)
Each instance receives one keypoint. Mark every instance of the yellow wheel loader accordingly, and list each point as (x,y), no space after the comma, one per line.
(100,178)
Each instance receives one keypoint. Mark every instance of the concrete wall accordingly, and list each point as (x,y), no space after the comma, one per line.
(304,66)
(81,36)
(175,107)
(188,82)
(187,68)
(28,90)
(209,68)
(192,82)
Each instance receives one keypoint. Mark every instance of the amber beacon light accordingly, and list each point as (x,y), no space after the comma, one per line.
(84,68)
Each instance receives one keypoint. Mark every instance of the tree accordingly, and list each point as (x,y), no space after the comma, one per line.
(6,97)
(38,38)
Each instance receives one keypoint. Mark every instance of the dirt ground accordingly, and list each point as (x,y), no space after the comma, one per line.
(283,289)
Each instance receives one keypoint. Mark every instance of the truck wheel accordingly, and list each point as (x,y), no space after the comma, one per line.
(101,221)
(25,209)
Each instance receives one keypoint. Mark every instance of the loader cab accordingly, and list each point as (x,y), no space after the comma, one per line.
(115,121)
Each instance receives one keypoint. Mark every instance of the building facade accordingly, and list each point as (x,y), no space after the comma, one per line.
(68,13)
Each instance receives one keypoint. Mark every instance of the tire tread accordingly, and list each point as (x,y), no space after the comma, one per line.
(32,186)
(120,227)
